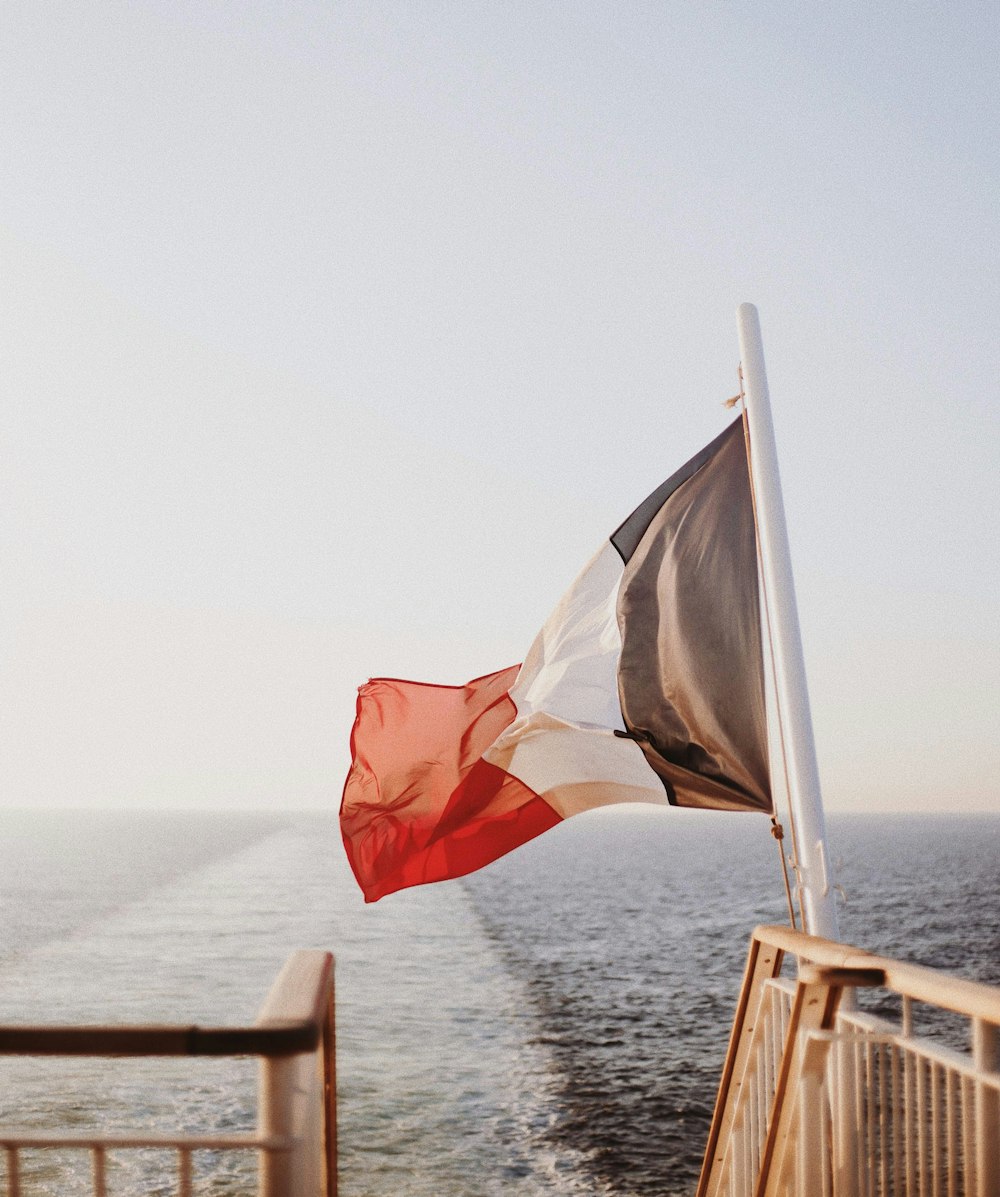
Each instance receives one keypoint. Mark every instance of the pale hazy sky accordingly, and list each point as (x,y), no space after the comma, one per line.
(336,337)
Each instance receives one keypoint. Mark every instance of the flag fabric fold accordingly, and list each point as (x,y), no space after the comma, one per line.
(644,685)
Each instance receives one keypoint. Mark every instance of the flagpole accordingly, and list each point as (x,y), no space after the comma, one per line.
(805,800)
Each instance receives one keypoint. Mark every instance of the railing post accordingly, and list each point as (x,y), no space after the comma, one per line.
(298,1091)
(986,1058)
(293,1109)
(276,1120)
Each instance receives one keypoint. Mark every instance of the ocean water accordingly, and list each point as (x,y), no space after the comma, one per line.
(554,1024)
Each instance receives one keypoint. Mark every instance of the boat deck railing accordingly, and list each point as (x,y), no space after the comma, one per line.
(821,1099)
(295,1140)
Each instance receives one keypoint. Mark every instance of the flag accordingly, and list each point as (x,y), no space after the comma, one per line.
(644,685)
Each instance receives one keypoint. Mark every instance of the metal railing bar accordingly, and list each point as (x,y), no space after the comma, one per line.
(185,1173)
(98,1162)
(868,1106)
(968,1134)
(883,1115)
(951,1133)
(898,1136)
(939,1160)
(285,1040)
(920,1074)
(13,1162)
(13,1143)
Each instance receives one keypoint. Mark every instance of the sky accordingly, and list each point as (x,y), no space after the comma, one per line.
(337,336)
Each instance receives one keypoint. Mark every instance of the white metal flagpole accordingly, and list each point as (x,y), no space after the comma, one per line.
(815,872)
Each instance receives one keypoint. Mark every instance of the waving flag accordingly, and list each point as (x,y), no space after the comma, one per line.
(644,685)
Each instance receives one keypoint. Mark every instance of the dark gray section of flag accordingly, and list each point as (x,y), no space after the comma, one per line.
(691,680)
(626,538)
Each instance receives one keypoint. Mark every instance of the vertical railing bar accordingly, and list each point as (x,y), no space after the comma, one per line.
(770,1050)
(950,1133)
(774,1047)
(741,1144)
(740,1140)
(839,1088)
(767,1077)
(828,1177)
(729,1158)
(13,1172)
(898,1096)
(98,1160)
(185,1172)
(909,1129)
(871,1109)
(870,1155)
(935,1112)
(986,1059)
(801,1177)
(920,1113)
(861,1172)
(757,1084)
(908,1136)
(883,1119)
(847,1115)
(764,1064)
(835,1082)
(751,1120)
(968,1137)
(884,1131)
(785,1006)
(891,1155)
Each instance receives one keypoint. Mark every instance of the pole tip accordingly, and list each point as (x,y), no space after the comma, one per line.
(745,310)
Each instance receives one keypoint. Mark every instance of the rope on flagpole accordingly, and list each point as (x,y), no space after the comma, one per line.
(777,831)
(779,834)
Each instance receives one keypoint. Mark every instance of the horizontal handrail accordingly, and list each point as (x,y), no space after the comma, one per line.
(86,1142)
(290,1023)
(969,998)
(156,1041)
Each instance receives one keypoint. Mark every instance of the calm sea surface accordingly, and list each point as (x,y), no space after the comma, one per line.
(552,1025)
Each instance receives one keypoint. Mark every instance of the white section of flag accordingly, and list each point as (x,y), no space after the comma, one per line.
(571,670)
(562,743)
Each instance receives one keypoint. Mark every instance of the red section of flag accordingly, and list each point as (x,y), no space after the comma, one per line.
(419,804)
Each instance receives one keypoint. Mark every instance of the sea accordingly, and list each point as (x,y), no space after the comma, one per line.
(554,1024)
